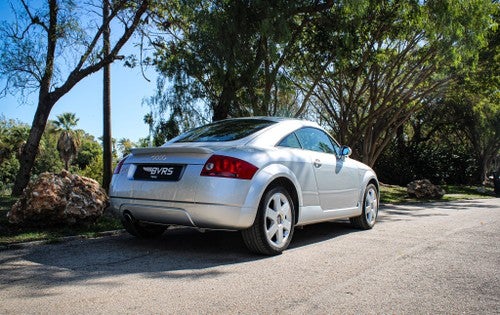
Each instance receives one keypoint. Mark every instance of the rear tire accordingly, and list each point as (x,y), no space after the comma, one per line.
(369,215)
(142,230)
(273,227)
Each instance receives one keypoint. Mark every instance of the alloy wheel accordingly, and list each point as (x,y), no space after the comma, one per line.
(278,220)
(371,205)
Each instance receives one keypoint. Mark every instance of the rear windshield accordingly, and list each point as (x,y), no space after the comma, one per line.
(225,130)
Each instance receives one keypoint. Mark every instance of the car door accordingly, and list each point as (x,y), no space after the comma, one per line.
(336,179)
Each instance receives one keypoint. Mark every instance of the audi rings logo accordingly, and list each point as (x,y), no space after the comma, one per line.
(158,157)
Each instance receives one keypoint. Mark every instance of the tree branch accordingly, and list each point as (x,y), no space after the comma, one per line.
(316,7)
(34,19)
(78,74)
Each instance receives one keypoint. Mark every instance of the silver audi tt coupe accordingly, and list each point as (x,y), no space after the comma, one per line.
(262,175)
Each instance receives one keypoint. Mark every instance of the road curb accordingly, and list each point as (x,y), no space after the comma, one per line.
(59,240)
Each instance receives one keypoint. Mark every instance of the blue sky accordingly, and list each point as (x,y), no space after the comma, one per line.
(128,89)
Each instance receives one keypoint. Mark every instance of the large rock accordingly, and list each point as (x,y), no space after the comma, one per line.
(59,199)
(424,189)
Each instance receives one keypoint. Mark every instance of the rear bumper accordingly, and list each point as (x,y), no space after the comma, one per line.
(201,215)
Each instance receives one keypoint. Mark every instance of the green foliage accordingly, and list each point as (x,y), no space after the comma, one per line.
(12,139)
(94,169)
(365,66)
(69,140)
(165,120)
(125,146)
(439,163)
(383,61)
(89,150)
(393,194)
(8,170)
(143,143)
(482,91)
(431,145)
(416,78)
(66,121)
(165,130)
(48,48)
(89,161)
(230,55)
(455,140)
(397,194)
(48,159)
(476,93)
(13,136)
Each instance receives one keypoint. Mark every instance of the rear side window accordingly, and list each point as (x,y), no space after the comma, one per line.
(290,141)
(316,140)
(225,130)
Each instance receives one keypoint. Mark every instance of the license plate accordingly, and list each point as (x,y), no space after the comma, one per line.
(165,172)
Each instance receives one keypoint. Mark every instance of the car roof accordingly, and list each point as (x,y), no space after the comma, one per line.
(264,137)
(276,119)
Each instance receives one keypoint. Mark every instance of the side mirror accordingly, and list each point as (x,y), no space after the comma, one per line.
(345,151)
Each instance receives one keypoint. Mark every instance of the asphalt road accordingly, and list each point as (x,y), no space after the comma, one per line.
(431,258)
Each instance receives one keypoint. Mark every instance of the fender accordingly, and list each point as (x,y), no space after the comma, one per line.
(262,180)
(366,176)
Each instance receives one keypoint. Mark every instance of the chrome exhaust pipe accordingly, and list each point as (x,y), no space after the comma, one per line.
(129,223)
(128,218)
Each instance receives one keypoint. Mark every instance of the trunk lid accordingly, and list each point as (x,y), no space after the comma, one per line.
(163,173)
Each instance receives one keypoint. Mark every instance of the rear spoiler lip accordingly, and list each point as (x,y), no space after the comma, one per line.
(163,150)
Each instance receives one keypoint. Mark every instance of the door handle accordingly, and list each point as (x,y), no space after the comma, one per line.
(317,163)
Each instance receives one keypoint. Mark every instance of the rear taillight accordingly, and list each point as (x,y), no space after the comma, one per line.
(226,166)
(118,167)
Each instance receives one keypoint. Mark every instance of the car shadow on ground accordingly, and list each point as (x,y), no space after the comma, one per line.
(397,214)
(410,211)
(179,253)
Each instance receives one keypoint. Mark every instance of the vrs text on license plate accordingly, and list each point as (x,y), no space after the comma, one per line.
(158,172)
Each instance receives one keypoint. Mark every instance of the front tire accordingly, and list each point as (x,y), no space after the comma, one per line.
(369,215)
(273,227)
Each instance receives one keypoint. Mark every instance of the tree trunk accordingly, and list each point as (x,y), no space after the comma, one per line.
(45,104)
(47,98)
(30,149)
(221,109)
(484,165)
(107,169)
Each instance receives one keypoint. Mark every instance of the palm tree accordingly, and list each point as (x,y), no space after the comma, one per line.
(68,142)
(125,145)
(18,136)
